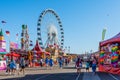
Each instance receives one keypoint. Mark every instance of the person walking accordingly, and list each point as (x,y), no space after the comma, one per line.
(8,65)
(66,61)
(87,66)
(17,67)
(46,62)
(22,64)
(41,62)
(94,64)
(8,68)
(60,61)
(13,66)
(78,65)
(51,63)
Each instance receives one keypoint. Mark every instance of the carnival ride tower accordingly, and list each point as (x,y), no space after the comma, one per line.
(2,42)
(24,38)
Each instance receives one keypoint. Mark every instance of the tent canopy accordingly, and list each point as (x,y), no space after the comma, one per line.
(116,38)
(37,47)
(2,52)
(13,54)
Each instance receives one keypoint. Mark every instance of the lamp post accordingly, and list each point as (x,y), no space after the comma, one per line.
(69,49)
(65,49)
(91,52)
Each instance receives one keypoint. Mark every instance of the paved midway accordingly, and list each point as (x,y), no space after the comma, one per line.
(67,73)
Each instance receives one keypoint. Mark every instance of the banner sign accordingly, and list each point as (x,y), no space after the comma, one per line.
(13,45)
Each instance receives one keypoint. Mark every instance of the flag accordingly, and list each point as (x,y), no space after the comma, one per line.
(17,34)
(3,21)
(103,34)
(7,33)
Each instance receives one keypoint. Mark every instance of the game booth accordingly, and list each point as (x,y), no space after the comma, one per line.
(109,59)
(38,53)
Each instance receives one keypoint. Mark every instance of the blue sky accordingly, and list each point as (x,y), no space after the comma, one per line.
(82,20)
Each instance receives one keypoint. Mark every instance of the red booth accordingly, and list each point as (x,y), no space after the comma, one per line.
(109,60)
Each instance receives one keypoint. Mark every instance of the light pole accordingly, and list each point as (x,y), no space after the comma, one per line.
(91,51)
(66,49)
(69,49)
(8,34)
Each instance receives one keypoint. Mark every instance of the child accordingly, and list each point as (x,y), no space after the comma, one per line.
(87,66)
(17,67)
(41,62)
(94,66)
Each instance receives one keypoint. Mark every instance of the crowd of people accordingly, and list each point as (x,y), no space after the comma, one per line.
(16,66)
(60,60)
(88,63)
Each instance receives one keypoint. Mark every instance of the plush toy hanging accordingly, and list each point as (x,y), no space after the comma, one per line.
(102,53)
(114,56)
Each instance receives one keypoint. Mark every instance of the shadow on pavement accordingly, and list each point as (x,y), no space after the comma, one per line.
(106,76)
(56,76)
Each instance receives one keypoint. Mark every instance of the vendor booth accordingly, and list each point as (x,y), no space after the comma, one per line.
(38,54)
(109,60)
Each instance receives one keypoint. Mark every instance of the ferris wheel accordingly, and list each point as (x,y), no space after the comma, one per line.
(50,30)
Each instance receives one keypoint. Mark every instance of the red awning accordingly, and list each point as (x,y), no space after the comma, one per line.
(37,47)
(13,54)
(111,40)
(39,52)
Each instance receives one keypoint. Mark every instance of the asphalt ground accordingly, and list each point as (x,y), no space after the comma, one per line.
(67,73)
(67,76)
(57,76)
